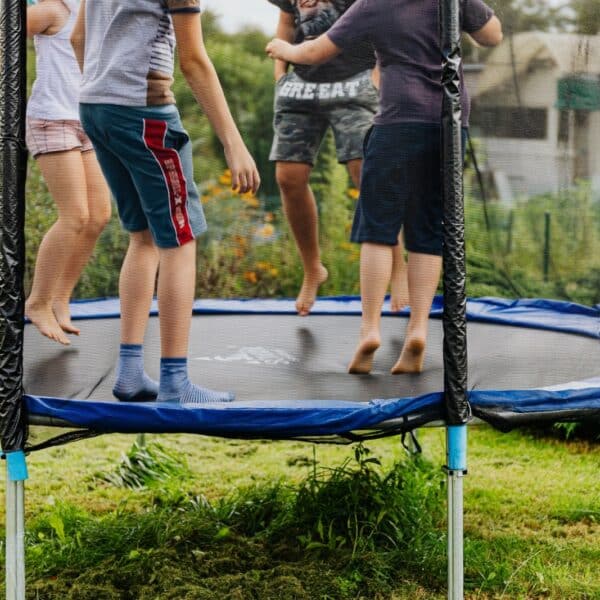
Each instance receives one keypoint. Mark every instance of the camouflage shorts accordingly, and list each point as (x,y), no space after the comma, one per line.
(304,111)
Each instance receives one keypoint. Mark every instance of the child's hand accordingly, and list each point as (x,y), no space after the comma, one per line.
(279,49)
(244,174)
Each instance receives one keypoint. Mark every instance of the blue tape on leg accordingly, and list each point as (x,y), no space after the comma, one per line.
(457,448)
(16,466)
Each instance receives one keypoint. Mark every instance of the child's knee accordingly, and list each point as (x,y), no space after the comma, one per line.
(291,178)
(98,220)
(77,220)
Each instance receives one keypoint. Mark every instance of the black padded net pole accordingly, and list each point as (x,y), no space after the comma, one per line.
(455,300)
(13,164)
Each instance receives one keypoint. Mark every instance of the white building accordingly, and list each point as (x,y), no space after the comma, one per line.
(536,106)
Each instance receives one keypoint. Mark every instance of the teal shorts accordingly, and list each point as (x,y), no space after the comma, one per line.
(146,157)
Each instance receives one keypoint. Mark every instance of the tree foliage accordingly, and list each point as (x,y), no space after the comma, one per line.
(579,16)
(587,16)
(529,15)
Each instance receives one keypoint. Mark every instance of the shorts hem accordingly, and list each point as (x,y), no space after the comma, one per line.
(134,228)
(57,151)
(423,250)
(374,239)
(345,160)
(170,244)
(301,160)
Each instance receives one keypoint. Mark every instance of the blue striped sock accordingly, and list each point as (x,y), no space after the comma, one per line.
(175,385)
(133,385)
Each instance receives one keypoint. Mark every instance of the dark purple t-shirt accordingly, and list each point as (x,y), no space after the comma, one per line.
(315,17)
(405,35)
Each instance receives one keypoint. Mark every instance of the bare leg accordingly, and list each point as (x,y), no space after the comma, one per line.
(423,277)
(301,211)
(399,280)
(136,286)
(375,272)
(98,204)
(354,170)
(399,283)
(176,285)
(64,175)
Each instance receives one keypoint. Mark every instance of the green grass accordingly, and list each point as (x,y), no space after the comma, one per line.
(285,520)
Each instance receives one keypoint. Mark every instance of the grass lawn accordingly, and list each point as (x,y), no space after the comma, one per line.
(532,519)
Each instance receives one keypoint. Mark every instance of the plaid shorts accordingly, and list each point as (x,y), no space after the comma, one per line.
(44,136)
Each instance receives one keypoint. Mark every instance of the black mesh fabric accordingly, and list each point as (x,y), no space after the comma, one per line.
(455,299)
(13,160)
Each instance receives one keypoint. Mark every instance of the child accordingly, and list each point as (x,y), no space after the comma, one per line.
(310,100)
(126,51)
(68,164)
(401,183)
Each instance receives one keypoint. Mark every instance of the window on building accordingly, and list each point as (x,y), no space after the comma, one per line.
(510,122)
(563,126)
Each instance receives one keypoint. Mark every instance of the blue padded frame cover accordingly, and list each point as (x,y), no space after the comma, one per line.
(290,419)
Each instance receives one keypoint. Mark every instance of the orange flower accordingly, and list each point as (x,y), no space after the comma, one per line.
(250,277)
(266,231)
(250,201)
(240,241)
(353,193)
(225,179)
(263,266)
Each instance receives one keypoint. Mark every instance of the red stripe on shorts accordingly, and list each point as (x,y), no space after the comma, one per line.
(170,164)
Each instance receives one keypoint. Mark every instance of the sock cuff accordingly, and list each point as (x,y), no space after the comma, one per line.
(173,361)
(131,349)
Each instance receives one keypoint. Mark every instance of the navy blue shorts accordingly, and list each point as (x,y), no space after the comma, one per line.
(146,157)
(401,186)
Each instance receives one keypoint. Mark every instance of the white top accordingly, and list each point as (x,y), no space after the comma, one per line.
(55,92)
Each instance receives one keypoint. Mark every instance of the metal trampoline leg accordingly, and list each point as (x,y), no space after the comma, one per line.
(455,536)
(15,534)
(456,469)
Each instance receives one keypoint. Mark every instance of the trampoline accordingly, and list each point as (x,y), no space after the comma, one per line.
(529,361)
(289,373)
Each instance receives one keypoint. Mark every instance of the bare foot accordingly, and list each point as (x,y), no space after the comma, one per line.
(362,362)
(411,358)
(308,291)
(43,318)
(63,317)
(399,289)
